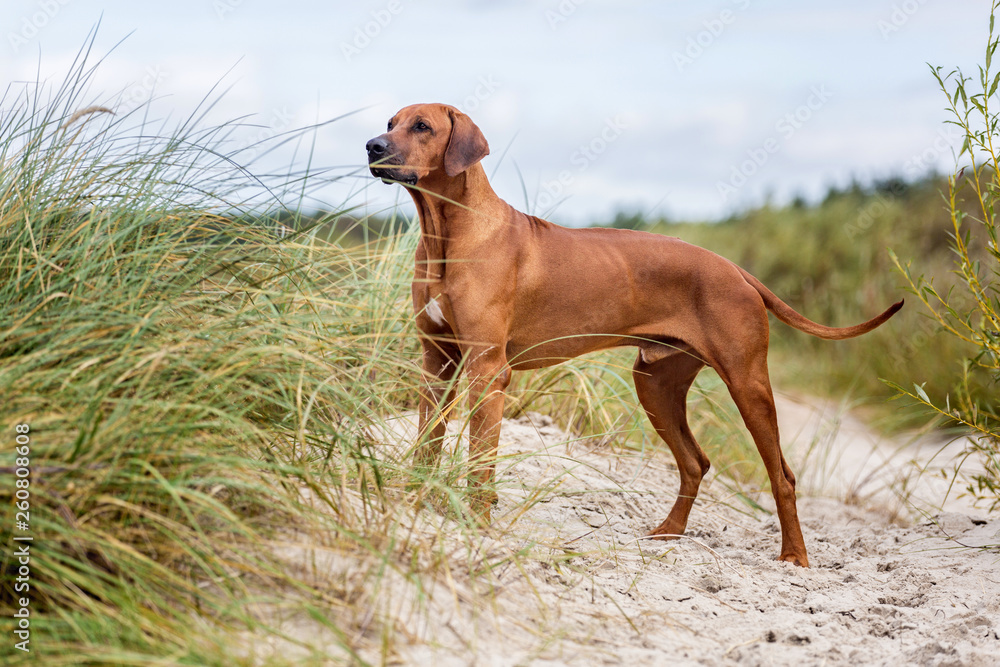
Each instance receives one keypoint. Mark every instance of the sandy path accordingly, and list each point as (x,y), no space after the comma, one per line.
(844,459)
(585,591)
(877,593)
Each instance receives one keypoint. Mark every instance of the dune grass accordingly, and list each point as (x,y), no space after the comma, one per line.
(184,379)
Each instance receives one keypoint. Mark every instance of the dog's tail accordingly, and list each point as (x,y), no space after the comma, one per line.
(789,316)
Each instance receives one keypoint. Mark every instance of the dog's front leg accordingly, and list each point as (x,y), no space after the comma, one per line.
(437,391)
(489,376)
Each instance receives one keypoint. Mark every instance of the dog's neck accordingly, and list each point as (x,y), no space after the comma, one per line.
(452,207)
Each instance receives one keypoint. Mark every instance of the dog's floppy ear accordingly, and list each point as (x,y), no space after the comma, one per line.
(467,145)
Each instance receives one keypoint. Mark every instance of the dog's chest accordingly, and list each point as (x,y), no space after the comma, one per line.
(433,310)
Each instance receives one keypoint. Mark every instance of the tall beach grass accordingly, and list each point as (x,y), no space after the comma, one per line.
(186,378)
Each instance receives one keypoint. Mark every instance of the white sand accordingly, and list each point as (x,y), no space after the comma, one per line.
(882,589)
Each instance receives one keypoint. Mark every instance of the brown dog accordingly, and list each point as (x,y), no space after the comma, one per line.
(499,290)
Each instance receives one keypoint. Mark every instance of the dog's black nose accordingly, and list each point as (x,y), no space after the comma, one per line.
(377,148)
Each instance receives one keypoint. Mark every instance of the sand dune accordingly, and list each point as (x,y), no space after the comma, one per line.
(890,584)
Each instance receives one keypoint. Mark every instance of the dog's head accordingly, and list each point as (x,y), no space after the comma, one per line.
(426,142)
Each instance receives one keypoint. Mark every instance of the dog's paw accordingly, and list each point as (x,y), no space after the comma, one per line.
(481,503)
(801,560)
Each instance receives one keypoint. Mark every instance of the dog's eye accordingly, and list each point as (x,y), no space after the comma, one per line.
(420,126)
(388,127)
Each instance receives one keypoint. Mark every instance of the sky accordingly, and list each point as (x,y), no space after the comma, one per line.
(688,110)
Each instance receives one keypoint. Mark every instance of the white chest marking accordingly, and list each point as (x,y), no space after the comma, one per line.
(434,312)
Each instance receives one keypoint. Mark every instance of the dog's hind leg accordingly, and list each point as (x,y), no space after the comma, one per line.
(662,387)
(744,370)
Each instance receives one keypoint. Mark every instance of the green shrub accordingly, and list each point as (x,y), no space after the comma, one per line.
(970,312)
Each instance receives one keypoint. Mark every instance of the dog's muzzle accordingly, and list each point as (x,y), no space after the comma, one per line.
(384,164)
